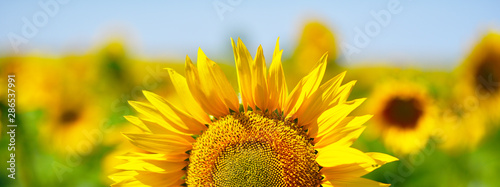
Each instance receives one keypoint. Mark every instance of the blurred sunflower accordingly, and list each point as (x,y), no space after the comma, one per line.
(116,68)
(74,112)
(36,80)
(274,139)
(315,39)
(481,74)
(458,124)
(69,123)
(404,115)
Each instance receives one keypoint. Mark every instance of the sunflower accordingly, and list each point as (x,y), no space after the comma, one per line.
(74,113)
(39,92)
(480,74)
(315,39)
(115,67)
(69,124)
(272,139)
(404,115)
(457,124)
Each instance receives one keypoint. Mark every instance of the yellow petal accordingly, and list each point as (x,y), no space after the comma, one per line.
(317,103)
(206,100)
(154,157)
(123,175)
(333,155)
(340,162)
(159,179)
(183,121)
(305,88)
(327,184)
(329,119)
(345,133)
(278,90)
(146,178)
(330,89)
(184,94)
(147,110)
(259,81)
(343,93)
(357,182)
(170,123)
(160,143)
(382,158)
(167,166)
(138,123)
(215,82)
(152,165)
(156,128)
(137,155)
(243,60)
(129,182)
(345,136)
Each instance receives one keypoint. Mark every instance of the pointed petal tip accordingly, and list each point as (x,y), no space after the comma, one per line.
(131,102)
(170,71)
(322,61)
(369,116)
(240,41)
(362,100)
(382,158)
(343,73)
(188,61)
(200,52)
(146,92)
(325,57)
(126,135)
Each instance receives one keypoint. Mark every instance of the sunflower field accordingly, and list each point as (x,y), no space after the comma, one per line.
(294,113)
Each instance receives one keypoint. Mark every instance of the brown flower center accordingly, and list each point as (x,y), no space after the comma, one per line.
(252,149)
(402,112)
(69,116)
(487,75)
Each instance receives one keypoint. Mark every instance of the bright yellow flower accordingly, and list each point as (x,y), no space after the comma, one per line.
(404,115)
(301,138)
(480,75)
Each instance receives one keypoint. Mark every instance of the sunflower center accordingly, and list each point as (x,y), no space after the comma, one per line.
(68,116)
(403,113)
(252,149)
(252,164)
(488,74)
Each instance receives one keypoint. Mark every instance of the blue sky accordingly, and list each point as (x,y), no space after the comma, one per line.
(423,31)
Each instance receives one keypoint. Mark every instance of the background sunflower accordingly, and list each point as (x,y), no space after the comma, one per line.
(405,115)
